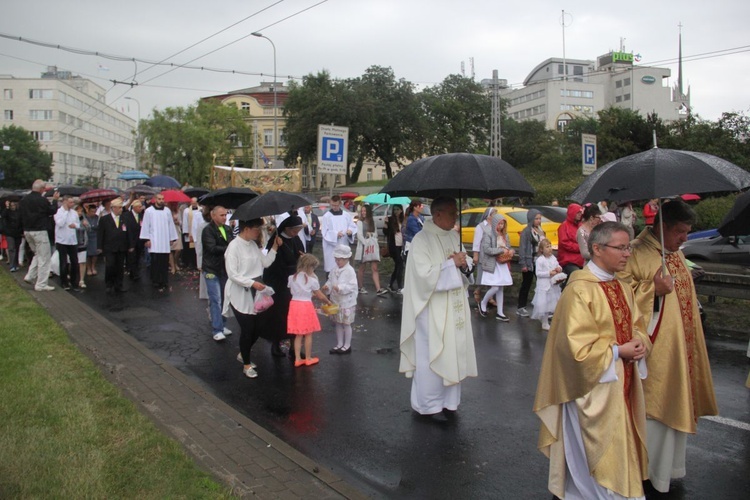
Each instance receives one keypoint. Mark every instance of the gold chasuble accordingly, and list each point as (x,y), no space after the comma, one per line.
(591,317)
(679,388)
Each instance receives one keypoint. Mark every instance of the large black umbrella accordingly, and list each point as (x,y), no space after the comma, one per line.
(231,197)
(67,190)
(660,173)
(460,175)
(196,192)
(142,189)
(270,203)
(737,221)
(163,181)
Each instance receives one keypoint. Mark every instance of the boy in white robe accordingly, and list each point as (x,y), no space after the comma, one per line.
(159,232)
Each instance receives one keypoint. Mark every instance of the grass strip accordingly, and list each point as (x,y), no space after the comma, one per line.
(66,432)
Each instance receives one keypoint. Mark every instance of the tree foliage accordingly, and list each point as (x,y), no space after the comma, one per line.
(183,141)
(22,160)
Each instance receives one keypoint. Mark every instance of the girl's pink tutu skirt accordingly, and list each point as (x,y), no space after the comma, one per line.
(302,319)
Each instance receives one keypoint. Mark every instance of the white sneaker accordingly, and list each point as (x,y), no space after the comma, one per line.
(29,280)
(250,372)
(545,327)
(219,337)
(46,288)
(81,284)
(227,331)
(363,291)
(239,358)
(522,312)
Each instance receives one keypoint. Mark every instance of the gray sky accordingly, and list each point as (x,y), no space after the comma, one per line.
(422,40)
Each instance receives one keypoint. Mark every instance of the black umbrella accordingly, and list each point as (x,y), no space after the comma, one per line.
(460,175)
(67,190)
(231,197)
(270,203)
(737,221)
(163,181)
(660,173)
(142,189)
(196,192)
(7,195)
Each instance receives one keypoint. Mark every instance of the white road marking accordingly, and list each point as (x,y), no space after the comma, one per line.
(730,422)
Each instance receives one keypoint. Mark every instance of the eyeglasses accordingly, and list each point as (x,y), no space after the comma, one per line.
(623,248)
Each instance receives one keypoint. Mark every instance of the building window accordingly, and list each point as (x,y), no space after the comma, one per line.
(626,97)
(626,82)
(618,84)
(369,174)
(245,107)
(42,135)
(40,114)
(559,69)
(268,111)
(618,98)
(8,114)
(8,94)
(40,93)
(282,139)
(268,137)
(577,70)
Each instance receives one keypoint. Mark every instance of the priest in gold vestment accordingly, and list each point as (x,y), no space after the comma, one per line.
(679,388)
(589,397)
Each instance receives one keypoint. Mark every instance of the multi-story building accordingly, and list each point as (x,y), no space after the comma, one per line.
(90,142)
(557,90)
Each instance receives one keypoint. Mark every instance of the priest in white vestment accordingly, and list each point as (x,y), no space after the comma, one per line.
(437,343)
(338,228)
(159,232)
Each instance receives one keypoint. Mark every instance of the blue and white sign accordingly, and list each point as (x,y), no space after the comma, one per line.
(588,147)
(333,147)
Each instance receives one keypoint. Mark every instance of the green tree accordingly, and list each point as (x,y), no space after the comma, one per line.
(456,117)
(22,161)
(184,140)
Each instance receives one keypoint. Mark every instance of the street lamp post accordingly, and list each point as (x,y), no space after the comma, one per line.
(275,118)
(137,134)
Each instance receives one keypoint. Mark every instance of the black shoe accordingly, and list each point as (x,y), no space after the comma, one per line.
(438,418)
(482,313)
(502,318)
(348,350)
(120,290)
(335,350)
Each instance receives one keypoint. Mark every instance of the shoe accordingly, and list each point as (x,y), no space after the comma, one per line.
(29,280)
(382,291)
(438,418)
(502,318)
(299,362)
(109,290)
(400,291)
(522,312)
(335,350)
(239,358)
(363,291)
(66,287)
(13,269)
(45,288)
(227,331)
(76,290)
(250,372)
(312,361)
(81,284)
(482,313)
(545,327)
(276,350)
(219,337)
(347,350)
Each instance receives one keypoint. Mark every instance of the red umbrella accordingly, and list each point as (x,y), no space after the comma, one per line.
(350,195)
(175,196)
(690,197)
(97,195)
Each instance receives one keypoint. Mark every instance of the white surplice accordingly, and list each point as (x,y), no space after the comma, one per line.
(330,226)
(158,228)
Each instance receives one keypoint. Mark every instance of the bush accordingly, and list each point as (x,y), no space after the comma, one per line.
(711,211)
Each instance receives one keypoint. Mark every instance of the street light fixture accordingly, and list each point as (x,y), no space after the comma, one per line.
(275,125)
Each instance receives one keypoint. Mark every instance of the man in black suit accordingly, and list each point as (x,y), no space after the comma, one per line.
(312,228)
(134,219)
(115,240)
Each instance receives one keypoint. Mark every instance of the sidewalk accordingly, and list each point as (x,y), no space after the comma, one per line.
(235,450)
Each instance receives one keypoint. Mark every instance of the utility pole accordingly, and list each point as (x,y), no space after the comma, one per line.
(496,131)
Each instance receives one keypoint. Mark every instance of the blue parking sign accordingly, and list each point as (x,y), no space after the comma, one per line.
(589,154)
(333,149)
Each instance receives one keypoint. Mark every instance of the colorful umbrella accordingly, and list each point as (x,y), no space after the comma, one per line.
(133,175)
(175,196)
(163,181)
(349,195)
(99,195)
(386,199)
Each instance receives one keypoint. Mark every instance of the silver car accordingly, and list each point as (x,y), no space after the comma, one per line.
(719,249)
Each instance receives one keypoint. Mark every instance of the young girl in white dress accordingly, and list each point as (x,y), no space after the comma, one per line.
(495,274)
(302,320)
(342,287)
(547,291)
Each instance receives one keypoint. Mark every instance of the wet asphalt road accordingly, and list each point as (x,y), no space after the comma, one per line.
(352,414)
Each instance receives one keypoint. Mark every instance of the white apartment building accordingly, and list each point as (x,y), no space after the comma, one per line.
(557,90)
(70,118)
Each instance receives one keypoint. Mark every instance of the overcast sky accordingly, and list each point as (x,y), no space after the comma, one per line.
(422,40)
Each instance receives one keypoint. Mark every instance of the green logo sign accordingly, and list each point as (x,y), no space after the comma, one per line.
(622,57)
(648,79)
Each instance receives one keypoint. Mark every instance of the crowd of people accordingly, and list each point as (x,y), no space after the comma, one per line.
(625,372)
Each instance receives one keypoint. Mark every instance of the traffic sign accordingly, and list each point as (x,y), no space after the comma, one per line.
(333,147)
(588,152)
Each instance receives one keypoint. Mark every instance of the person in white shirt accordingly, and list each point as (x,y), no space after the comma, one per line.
(66,242)
(337,228)
(159,231)
(191,218)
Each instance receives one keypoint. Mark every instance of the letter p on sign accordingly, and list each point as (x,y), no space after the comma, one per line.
(333,148)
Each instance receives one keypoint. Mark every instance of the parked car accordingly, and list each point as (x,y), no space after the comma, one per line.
(703,234)
(553,213)
(381,212)
(720,249)
(516,217)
